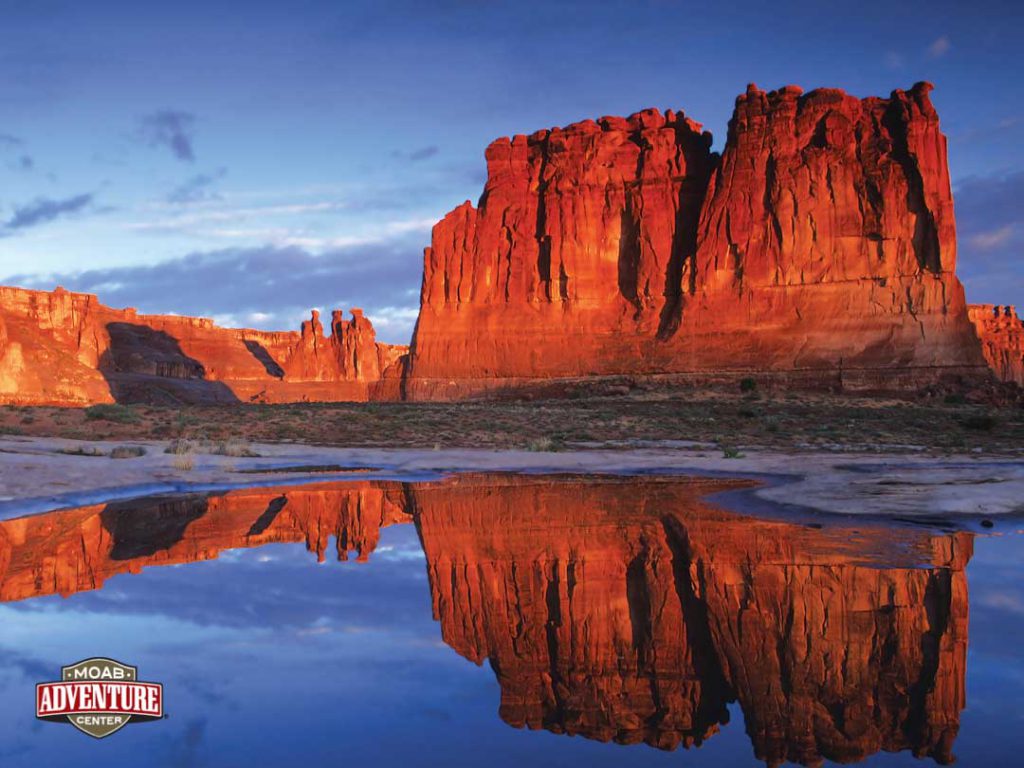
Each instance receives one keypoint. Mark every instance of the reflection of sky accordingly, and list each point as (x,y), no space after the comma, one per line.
(270,659)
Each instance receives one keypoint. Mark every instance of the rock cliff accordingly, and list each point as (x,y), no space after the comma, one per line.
(1002,339)
(820,246)
(63,348)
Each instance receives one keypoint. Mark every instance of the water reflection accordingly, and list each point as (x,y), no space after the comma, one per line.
(624,610)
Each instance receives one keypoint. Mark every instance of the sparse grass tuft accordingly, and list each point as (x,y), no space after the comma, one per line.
(235,448)
(121,414)
(127,452)
(184,462)
(731,453)
(180,447)
(748,384)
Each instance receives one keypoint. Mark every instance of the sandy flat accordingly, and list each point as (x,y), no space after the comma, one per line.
(36,475)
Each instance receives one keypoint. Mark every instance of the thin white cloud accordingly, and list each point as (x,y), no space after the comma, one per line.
(939,47)
(986,241)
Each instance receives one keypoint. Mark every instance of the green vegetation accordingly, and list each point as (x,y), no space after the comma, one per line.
(120,414)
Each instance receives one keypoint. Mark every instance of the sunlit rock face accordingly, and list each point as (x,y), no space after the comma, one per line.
(617,609)
(1002,339)
(821,246)
(633,611)
(63,348)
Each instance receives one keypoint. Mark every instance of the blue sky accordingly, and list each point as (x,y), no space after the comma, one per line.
(251,161)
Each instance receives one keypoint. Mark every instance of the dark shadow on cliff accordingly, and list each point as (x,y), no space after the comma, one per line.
(147,366)
(260,353)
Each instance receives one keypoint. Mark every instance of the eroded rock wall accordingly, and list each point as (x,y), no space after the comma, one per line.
(1002,339)
(63,348)
(821,245)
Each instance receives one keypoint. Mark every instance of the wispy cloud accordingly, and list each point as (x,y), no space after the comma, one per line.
(987,241)
(894,60)
(269,287)
(8,140)
(22,163)
(416,155)
(173,129)
(197,188)
(43,209)
(939,47)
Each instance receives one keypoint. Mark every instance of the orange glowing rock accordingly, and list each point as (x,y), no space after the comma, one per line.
(820,246)
(1002,339)
(65,348)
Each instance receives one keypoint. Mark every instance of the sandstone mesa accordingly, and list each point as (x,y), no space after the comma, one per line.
(819,249)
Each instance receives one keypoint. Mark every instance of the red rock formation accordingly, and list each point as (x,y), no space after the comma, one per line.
(64,348)
(1002,339)
(629,610)
(824,248)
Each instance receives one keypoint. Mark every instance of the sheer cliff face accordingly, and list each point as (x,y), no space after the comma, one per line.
(575,255)
(1002,339)
(616,609)
(63,348)
(822,241)
(631,611)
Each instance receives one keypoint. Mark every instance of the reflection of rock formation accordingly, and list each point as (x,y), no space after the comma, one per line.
(629,610)
(79,549)
(66,348)
(616,609)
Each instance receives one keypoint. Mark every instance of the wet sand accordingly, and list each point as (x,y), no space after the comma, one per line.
(41,474)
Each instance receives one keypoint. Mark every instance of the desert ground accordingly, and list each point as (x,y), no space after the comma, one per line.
(945,461)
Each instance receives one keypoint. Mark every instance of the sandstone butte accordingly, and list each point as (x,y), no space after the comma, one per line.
(819,249)
(821,245)
(611,609)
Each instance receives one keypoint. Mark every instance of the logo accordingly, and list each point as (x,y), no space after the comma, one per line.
(99,697)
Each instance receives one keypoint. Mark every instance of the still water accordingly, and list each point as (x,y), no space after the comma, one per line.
(504,620)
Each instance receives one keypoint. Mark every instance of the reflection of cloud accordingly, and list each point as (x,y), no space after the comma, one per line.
(44,209)
(939,47)
(172,129)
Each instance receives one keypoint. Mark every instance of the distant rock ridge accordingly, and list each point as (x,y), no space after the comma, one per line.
(821,245)
(1001,332)
(64,348)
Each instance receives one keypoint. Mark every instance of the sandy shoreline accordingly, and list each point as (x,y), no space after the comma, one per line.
(36,475)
